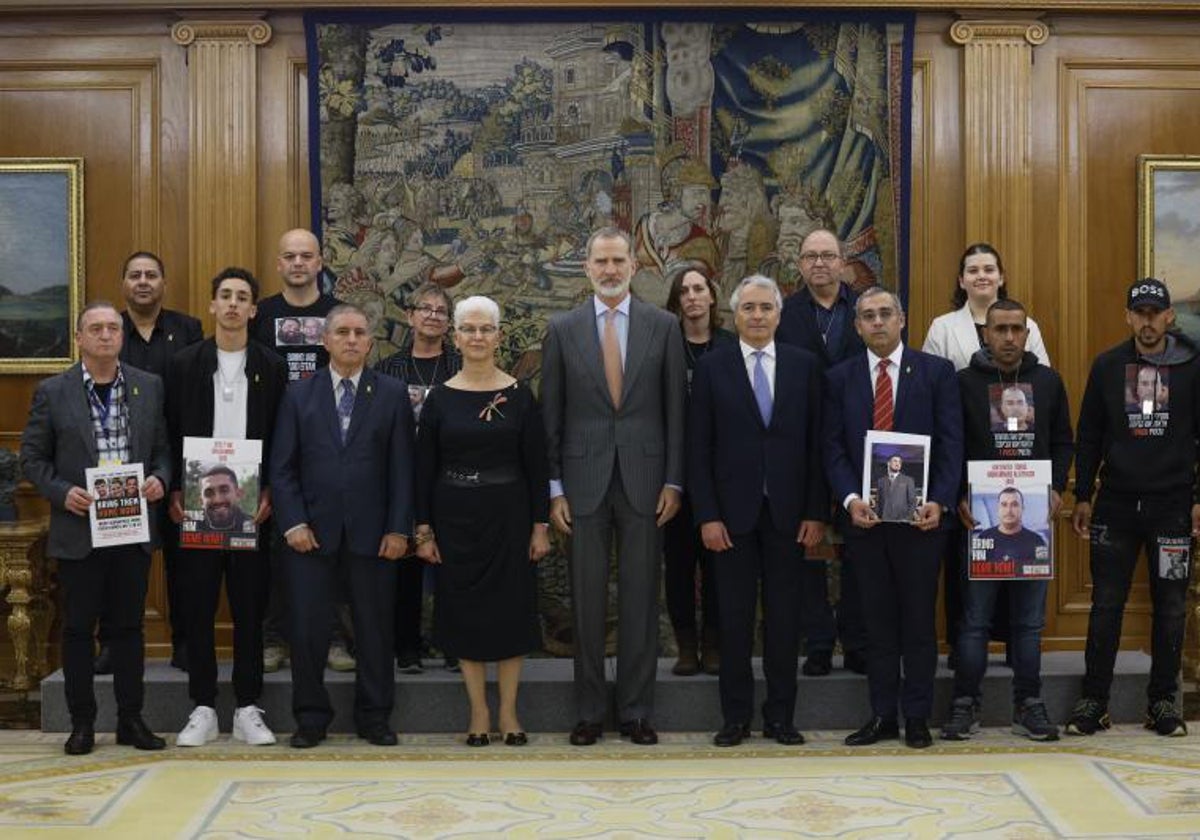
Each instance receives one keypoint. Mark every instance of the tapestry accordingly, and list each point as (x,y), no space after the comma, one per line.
(479,151)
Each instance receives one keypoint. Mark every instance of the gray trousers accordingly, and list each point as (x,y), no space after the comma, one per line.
(639,549)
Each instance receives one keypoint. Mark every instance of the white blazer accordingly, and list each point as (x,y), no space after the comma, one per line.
(952,336)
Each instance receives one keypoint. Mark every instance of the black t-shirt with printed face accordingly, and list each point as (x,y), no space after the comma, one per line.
(294,332)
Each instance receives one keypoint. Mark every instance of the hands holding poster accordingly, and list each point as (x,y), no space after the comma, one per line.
(118,510)
(220,493)
(1012,536)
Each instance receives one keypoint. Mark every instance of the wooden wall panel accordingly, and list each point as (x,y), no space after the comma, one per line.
(112,93)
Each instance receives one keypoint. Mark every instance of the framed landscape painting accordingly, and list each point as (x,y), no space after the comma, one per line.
(1168,228)
(41,262)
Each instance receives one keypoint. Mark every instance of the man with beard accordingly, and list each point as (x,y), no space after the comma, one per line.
(819,317)
(221,495)
(1146,466)
(613,383)
(278,324)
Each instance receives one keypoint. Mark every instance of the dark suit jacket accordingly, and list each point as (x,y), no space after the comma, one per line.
(190,398)
(732,455)
(363,488)
(585,435)
(59,444)
(897,498)
(927,403)
(798,327)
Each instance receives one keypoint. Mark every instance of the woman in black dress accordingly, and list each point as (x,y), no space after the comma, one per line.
(693,299)
(482,515)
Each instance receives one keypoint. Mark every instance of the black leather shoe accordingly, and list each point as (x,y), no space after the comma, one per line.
(306,737)
(639,732)
(916,733)
(133,732)
(876,729)
(817,664)
(102,664)
(379,735)
(855,661)
(82,740)
(585,734)
(783,733)
(731,735)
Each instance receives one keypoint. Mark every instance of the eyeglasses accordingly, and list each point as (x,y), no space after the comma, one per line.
(486,331)
(825,256)
(428,311)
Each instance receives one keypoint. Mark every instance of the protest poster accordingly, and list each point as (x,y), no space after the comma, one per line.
(1013,536)
(895,474)
(220,493)
(118,511)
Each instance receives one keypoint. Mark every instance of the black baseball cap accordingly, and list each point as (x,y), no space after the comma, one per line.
(1148,292)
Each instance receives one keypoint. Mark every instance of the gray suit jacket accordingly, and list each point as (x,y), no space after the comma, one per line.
(897,499)
(586,435)
(59,444)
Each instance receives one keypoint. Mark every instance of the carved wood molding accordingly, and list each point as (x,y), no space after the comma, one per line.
(223,128)
(998,183)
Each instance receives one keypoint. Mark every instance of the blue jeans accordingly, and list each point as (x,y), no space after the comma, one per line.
(1027,617)
(1121,528)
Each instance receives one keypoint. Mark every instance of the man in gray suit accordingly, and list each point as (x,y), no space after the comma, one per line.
(897,493)
(613,381)
(98,412)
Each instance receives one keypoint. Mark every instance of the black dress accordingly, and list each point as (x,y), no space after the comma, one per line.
(482,481)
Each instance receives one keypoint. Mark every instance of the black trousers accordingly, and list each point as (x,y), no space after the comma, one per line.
(410,586)
(684,554)
(311,592)
(168,533)
(247,577)
(109,585)
(775,560)
(897,569)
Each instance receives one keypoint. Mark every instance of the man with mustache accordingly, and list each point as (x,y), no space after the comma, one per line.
(1145,462)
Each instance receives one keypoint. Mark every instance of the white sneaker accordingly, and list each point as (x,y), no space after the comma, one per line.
(248,726)
(339,659)
(201,728)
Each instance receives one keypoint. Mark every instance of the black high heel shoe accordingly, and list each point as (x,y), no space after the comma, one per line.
(515,739)
(477,739)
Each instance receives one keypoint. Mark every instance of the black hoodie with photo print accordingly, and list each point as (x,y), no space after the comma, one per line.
(1140,449)
(982,385)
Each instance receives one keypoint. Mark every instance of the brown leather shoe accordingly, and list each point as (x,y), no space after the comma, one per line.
(639,732)
(586,733)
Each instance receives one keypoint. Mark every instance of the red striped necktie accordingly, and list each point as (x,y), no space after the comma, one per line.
(883,398)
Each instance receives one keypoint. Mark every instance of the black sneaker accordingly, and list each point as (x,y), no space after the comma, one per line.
(1088,717)
(1033,721)
(409,663)
(963,721)
(1163,719)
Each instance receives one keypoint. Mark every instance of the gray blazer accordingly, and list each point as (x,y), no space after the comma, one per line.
(59,444)
(586,435)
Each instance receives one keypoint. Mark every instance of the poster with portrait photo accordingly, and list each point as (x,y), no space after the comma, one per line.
(1013,538)
(1147,399)
(1011,413)
(895,474)
(220,493)
(118,511)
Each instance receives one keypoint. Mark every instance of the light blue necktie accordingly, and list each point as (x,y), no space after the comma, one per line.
(345,406)
(762,389)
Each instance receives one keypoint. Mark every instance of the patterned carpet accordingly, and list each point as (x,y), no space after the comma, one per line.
(1121,784)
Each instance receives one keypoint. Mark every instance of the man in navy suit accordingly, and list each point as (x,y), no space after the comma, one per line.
(759,498)
(341,476)
(819,318)
(894,388)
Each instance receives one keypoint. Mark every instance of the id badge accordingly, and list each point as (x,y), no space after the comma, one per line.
(1014,424)
(1147,407)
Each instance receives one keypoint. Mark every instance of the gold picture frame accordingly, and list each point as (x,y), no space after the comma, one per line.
(41,250)
(1168,224)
